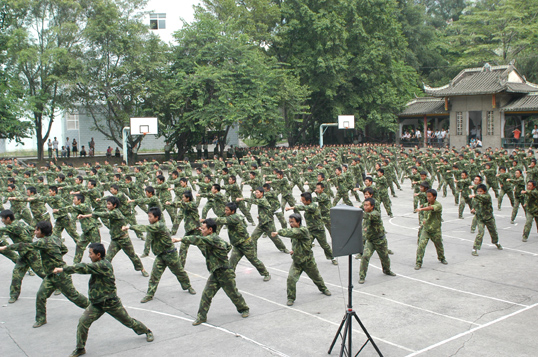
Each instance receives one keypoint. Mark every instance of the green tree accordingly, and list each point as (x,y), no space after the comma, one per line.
(11,125)
(120,70)
(494,31)
(223,78)
(349,53)
(43,46)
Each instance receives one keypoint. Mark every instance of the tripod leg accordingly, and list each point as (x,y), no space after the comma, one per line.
(337,334)
(367,335)
(347,330)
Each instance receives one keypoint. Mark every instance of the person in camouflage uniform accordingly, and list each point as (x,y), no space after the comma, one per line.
(38,209)
(240,240)
(180,186)
(254,182)
(531,205)
(266,223)
(215,199)
(431,229)
(51,250)
(463,187)
(272,198)
(484,215)
(191,218)
(158,237)
(90,226)
(381,186)
(126,209)
(302,258)
(507,188)
(314,224)
(60,212)
(18,204)
(519,199)
(374,236)
(324,202)
(20,232)
(342,187)
(161,188)
(103,297)
(119,240)
(235,191)
(215,251)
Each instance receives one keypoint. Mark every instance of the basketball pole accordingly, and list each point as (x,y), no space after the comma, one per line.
(125,133)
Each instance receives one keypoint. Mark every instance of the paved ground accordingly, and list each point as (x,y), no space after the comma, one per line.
(474,306)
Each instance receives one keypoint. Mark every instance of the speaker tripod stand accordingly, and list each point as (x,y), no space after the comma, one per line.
(346,324)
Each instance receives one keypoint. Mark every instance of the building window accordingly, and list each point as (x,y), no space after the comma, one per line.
(490,124)
(72,121)
(157,21)
(459,123)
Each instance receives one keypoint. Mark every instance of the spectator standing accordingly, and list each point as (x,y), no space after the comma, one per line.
(49,144)
(74,147)
(117,153)
(517,134)
(535,136)
(91,144)
(55,144)
(68,147)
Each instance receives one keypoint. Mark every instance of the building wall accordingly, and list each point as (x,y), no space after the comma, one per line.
(483,104)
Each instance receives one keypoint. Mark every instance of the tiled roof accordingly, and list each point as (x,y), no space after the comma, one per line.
(526,103)
(421,106)
(484,80)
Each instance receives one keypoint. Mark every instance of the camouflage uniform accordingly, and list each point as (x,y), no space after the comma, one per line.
(272,197)
(531,201)
(119,240)
(506,188)
(266,223)
(465,191)
(234,191)
(241,242)
(215,251)
(375,242)
(165,196)
(8,254)
(431,229)
(103,298)
(383,194)
(192,222)
(302,260)
(342,190)
(314,223)
(63,221)
(18,207)
(51,250)
(519,198)
(20,232)
(324,203)
(90,230)
(158,237)
(484,216)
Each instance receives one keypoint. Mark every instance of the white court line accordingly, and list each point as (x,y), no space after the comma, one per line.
(265,347)
(322,319)
(467,240)
(301,311)
(391,300)
(440,343)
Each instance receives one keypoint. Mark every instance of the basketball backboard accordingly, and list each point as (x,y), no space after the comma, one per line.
(141,126)
(346,122)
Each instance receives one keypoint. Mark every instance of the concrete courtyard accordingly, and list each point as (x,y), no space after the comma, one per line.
(474,306)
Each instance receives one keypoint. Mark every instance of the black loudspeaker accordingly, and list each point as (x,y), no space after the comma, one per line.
(346,230)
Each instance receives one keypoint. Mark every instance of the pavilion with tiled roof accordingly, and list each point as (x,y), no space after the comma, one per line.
(487,103)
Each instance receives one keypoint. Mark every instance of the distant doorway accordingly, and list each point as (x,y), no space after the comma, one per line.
(475,125)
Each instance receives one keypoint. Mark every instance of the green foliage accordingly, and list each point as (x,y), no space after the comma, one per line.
(120,70)
(42,46)
(494,31)
(224,78)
